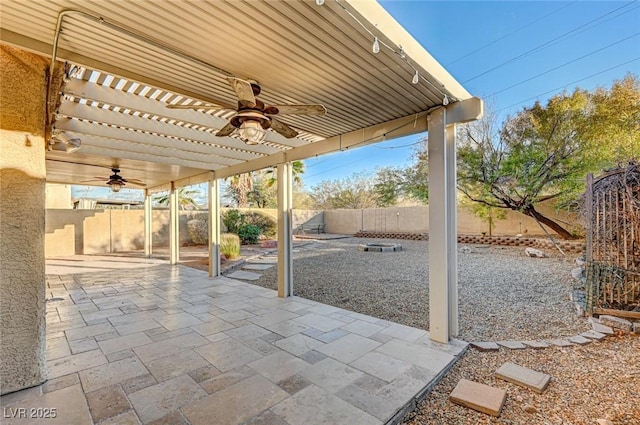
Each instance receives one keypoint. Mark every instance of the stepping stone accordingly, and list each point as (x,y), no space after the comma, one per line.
(561,343)
(603,329)
(485,346)
(580,340)
(480,397)
(536,344)
(244,275)
(593,335)
(616,322)
(512,345)
(525,377)
(259,267)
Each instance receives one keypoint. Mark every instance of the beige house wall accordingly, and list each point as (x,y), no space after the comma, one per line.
(58,196)
(22,207)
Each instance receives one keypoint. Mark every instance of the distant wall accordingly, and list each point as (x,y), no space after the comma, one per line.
(71,232)
(416,220)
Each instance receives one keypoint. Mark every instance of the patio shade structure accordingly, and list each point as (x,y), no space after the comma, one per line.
(123,63)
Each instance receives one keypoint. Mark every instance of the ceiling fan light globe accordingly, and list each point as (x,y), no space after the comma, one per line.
(115,186)
(251,132)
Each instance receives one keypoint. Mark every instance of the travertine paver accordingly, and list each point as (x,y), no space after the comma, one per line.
(314,405)
(593,335)
(169,339)
(523,376)
(603,329)
(248,398)
(480,397)
(69,403)
(485,345)
(579,339)
(512,345)
(561,342)
(259,267)
(158,400)
(616,322)
(536,344)
(241,274)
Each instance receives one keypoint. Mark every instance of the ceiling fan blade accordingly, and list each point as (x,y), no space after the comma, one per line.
(283,129)
(226,130)
(136,182)
(207,106)
(299,109)
(244,91)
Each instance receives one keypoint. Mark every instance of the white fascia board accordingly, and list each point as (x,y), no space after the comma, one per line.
(457,112)
(380,21)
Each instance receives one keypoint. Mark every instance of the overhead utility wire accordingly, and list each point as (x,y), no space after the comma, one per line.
(550,42)
(571,83)
(564,64)
(509,34)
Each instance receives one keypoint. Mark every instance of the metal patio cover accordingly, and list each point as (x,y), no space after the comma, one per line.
(136,56)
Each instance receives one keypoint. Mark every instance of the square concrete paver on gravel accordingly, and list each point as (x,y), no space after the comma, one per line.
(480,397)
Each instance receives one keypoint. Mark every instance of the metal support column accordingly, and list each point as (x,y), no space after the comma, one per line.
(439,231)
(174,225)
(452,228)
(285,266)
(214,226)
(148,225)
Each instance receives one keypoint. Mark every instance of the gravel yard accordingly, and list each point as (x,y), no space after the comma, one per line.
(503,294)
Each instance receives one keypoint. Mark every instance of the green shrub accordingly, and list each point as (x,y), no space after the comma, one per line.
(198,230)
(232,220)
(249,233)
(266,223)
(230,245)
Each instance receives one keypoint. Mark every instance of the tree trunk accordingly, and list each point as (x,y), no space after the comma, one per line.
(561,231)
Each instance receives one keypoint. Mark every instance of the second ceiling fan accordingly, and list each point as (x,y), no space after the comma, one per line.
(253,117)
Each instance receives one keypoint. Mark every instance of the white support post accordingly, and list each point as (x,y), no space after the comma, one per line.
(214,226)
(285,275)
(148,225)
(452,228)
(439,243)
(174,225)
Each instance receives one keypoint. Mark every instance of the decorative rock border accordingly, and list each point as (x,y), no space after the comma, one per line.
(576,247)
(599,331)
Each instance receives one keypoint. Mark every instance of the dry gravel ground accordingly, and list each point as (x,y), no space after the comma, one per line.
(597,381)
(503,295)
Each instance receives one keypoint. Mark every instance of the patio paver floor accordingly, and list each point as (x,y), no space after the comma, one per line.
(174,344)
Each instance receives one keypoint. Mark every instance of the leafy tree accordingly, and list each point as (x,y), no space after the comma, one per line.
(238,188)
(355,191)
(544,152)
(186,198)
(297,169)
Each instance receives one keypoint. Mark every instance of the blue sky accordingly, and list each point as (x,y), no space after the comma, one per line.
(510,53)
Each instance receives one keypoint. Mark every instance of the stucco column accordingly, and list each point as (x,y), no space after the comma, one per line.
(174,225)
(148,225)
(22,213)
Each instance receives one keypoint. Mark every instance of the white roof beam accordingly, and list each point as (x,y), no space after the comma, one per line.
(125,145)
(221,156)
(135,102)
(89,113)
(123,154)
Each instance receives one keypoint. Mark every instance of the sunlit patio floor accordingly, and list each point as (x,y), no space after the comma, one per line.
(133,340)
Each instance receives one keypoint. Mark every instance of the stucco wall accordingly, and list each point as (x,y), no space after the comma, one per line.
(22,206)
(416,220)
